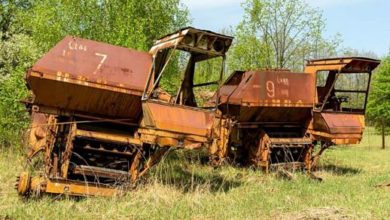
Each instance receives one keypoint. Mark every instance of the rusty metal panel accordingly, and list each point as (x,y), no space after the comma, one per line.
(96,62)
(76,188)
(274,114)
(361,65)
(338,123)
(195,40)
(85,99)
(179,119)
(271,88)
(91,77)
(342,64)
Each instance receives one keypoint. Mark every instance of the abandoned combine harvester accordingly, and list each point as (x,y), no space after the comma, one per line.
(76,82)
(278,116)
(102,116)
(106,113)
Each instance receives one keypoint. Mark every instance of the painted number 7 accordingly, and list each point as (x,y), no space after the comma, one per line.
(103,59)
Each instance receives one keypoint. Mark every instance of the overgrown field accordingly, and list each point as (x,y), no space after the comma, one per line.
(179,188)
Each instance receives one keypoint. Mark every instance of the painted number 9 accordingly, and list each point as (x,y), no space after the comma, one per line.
(270,89)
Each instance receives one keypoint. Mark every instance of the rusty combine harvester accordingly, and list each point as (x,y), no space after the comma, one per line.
(272,110)
(280,115)
(81,80)
(102,118)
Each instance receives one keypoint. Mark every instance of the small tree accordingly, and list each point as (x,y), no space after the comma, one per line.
(280,34)
(378,108)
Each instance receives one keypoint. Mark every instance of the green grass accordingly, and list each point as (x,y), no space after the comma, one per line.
(182,188)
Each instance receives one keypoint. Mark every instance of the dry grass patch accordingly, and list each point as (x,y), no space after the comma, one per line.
(182,188)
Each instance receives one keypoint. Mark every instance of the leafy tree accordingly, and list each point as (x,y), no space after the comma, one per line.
(248,52)
(8,16)
(378,107)
(280,34)
(134,24)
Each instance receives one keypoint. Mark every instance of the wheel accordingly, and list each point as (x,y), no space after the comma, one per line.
(23,183)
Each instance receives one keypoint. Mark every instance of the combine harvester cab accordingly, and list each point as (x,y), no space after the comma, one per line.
(342,86)
(181,120)
(272,111)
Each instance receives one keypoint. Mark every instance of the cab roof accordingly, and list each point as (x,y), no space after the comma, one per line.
(196,41)
(345,64)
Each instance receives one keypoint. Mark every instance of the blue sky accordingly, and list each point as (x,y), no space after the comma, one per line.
(363,24)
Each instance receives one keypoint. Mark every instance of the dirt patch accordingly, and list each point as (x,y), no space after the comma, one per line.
(383,185)
(329,213)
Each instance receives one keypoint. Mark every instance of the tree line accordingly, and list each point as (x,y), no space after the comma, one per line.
(271,34)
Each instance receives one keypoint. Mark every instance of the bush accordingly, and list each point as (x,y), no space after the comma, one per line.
(17,54)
